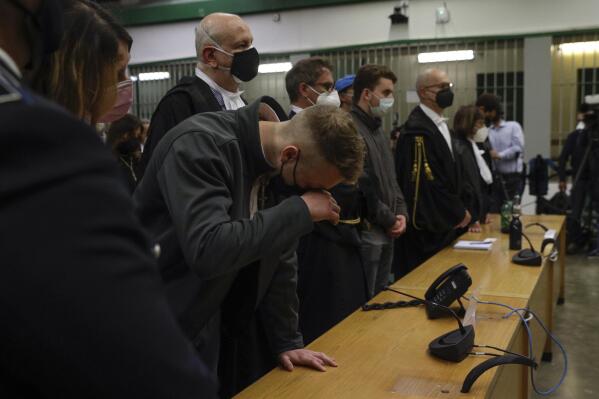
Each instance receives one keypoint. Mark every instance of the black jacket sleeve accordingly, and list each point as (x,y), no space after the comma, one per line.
(83,310)
(434,203)
(279,307)
(401,207)
(195,181)
(565,155)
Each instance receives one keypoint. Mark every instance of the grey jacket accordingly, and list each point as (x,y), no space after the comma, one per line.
(195,201)
(379,183)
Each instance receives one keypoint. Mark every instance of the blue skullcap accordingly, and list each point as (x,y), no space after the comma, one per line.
(345,82)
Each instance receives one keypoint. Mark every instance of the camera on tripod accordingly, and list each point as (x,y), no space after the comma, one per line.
(591,119)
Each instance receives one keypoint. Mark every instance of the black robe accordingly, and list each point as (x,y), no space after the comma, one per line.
(189,97)
(429,178)
(473,189)
(331,278)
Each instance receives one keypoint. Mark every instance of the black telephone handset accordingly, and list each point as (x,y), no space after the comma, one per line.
(446,289)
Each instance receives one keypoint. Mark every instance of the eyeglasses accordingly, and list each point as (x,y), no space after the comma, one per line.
(442,86)
(327,86)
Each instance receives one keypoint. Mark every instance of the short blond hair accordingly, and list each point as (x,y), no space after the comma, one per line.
(334,137)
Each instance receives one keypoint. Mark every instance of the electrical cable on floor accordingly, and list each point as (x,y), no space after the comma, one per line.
(530,348)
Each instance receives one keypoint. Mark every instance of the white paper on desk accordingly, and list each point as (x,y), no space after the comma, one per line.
(483,245)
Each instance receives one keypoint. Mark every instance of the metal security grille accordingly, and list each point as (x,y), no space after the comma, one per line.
(509,86)
(491,58)
(575,74)
(499,61)
(147,93)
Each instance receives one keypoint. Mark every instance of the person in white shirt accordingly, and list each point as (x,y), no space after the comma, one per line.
(507,140)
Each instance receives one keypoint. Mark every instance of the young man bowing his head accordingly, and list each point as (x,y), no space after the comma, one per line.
(228,250)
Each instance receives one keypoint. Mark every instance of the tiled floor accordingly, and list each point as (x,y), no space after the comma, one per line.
(577,326)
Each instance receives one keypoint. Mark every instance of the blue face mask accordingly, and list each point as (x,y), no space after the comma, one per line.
(385,105)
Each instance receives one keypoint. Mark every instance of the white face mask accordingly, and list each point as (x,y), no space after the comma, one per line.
(481,135)
(385,104)
(580,125)
(326,98)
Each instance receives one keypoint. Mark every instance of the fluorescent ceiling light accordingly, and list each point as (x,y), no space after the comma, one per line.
(445,56)
(579,47)
(276,67)
(153,76)
(592,99)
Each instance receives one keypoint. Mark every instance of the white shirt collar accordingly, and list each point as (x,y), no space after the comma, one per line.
(296,109)
(226,93)
(435,117)
(10,63)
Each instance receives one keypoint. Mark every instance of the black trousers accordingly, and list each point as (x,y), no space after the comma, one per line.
(578,197)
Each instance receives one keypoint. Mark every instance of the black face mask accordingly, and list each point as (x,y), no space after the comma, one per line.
(245,64)
(45,27)
(129,146)
(589,119)
(293,188)
(444,98)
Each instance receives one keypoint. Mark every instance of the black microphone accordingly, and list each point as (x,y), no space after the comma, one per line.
(454,345)
(528,257)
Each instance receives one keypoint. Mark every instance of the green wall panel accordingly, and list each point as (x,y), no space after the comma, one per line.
(181,11)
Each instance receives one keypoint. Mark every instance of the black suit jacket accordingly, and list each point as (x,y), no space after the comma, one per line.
(190,96)
(83,309)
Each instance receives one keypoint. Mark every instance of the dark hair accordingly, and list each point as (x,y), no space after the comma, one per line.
(78,73)
(118,29)
(368,77)
(307,71)
(121,128)
(489,102)
(465,119)
(583,108)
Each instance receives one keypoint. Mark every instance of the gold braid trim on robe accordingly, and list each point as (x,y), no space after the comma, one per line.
(350,221)
(419,157)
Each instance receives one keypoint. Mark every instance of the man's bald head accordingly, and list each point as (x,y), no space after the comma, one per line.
(430,77)
(429,84)
(228,31)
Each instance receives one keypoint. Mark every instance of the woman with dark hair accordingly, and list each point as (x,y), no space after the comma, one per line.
(476,176)
(124,137)
(87,74)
